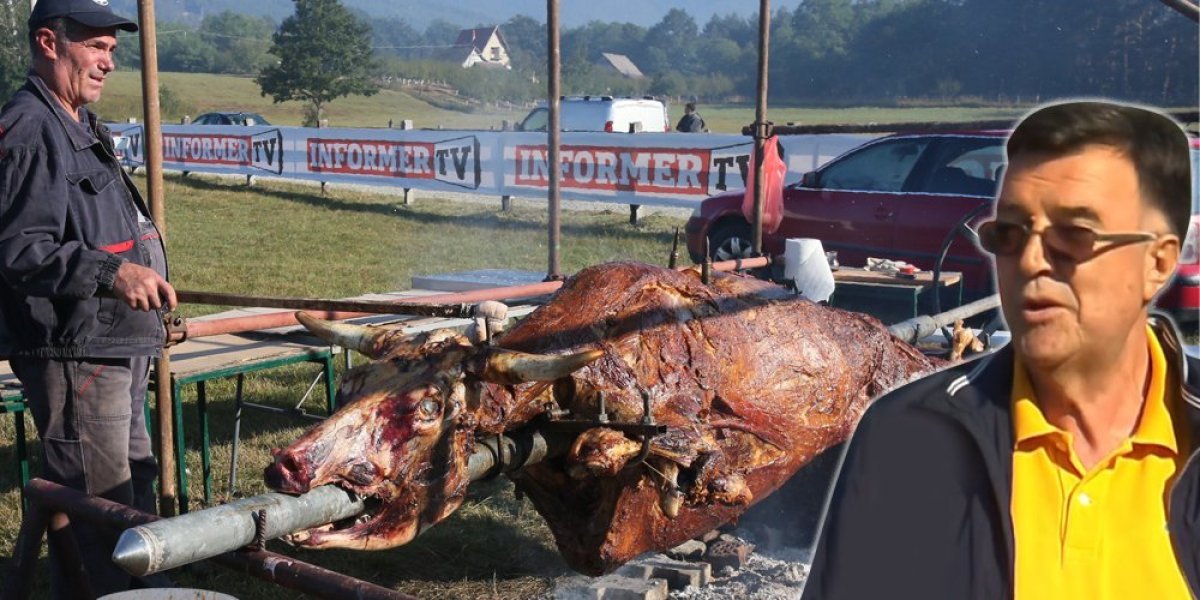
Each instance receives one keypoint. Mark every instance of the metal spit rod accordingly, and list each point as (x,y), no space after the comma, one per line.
(918,327)
(199,535)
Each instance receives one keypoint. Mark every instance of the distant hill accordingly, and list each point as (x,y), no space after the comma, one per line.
(420,13)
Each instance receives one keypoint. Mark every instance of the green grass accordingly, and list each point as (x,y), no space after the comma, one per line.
(199,93)
(280,239)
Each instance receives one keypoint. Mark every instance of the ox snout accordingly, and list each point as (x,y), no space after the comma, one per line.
(288,473)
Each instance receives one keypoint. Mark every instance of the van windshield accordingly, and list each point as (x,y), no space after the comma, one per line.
(536,121)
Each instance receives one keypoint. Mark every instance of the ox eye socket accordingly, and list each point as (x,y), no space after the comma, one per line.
(430,407)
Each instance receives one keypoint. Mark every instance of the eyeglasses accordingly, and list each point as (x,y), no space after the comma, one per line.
(1075,242)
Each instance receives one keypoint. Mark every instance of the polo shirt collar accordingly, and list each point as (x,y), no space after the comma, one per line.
(1154,425)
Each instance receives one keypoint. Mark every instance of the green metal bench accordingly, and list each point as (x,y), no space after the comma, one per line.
(13,402)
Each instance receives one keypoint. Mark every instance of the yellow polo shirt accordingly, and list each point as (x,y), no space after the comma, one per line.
(1102,533)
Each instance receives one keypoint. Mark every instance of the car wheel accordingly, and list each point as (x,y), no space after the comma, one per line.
(730,240)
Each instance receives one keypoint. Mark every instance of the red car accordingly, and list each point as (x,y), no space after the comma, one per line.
(901,196)
(1182,297)
(897,197)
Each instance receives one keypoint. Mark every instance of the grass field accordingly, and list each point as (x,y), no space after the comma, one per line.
(200,93)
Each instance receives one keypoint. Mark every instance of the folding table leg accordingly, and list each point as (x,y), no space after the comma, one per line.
(330,388)
(180,445)
(22,455)
(237,429)
(205,450)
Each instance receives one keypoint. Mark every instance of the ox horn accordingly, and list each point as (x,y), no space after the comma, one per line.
(510,367)
(371,341)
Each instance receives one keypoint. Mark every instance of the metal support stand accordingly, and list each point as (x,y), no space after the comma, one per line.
(298,411)
(54,506)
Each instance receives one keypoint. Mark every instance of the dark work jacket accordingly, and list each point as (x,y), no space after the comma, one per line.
(69,217)
(692,123)
(921,508)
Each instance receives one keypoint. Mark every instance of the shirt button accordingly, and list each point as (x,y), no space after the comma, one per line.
(1085,500)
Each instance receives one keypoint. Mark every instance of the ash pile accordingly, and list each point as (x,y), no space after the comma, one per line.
(765,556)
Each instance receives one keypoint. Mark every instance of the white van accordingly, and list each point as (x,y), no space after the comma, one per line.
(602,113)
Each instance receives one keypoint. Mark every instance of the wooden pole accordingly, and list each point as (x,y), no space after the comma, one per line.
(760,119)
(167,485)
(553,134)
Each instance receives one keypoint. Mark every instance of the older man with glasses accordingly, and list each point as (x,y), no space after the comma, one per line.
(1062,465)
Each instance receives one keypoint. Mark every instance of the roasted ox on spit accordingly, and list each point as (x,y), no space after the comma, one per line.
(746,382)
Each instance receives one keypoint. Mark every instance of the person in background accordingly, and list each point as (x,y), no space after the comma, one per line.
(691,121)
(1062,465)
(82,275)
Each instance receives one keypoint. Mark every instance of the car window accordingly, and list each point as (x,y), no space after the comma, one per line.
(202,120)
(536,121)
(883,167)
(967,166)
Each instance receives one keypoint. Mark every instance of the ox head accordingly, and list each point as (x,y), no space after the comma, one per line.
(405,429)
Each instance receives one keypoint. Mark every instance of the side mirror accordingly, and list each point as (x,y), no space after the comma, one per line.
(810,179)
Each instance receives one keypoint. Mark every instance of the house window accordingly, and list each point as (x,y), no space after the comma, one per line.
(496,53)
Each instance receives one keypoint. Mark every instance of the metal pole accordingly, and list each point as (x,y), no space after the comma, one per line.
(154,191)
(760,119)
(918,327)
(20,573)
(553,131)
(195,536)
(167,491)
(169,543)
(450,311)
(282,570)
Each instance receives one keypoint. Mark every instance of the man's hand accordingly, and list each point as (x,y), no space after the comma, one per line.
(142,288)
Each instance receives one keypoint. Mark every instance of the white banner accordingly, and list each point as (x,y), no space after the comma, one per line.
(645,168)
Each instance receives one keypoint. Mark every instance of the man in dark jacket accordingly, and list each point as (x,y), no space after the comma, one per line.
(1057,467)
(82,272)
(691,122)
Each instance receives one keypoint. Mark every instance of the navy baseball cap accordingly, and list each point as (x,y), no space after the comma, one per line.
(93,13)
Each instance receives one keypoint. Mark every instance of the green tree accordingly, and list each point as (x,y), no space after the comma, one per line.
(182,49)
(671,43)
(324,53)
(526,39)
(14,51)
(239,42)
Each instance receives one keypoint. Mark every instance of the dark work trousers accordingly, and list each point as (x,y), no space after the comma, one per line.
(90,417)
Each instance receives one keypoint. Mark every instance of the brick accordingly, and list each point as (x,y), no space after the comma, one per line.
(679,575)
(724,553)
(613,587)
